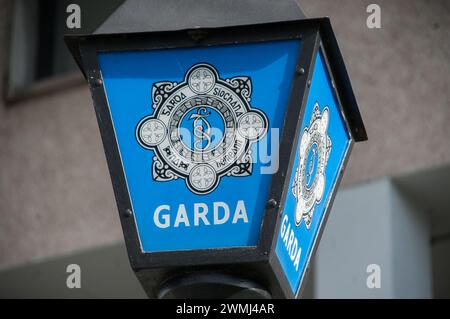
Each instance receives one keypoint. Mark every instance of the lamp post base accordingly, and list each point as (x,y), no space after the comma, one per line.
(212,286)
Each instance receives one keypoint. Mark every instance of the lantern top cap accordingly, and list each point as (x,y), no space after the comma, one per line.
(168,15)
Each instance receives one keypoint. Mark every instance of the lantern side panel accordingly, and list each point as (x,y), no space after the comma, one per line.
(322,148)
(190,125)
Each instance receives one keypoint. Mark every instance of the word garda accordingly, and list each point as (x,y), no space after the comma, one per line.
(200,214)
(290,242)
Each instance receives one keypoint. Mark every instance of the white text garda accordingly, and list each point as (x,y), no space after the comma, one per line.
(290,242)
(220,213)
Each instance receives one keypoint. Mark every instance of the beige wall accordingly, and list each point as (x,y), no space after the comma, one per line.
(400,75)
(55,192)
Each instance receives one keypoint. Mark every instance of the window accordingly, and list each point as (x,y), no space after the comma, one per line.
(38,57)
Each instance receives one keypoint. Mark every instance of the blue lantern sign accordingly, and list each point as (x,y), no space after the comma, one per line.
(188,134)
(319,159)
(225,146)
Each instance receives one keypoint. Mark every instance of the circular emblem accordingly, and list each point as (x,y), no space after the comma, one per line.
(201,80)
(152,132)
(202,128)
(251,126)
(202,177)
(309,180)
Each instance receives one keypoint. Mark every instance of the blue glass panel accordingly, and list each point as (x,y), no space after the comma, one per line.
(320,152)
(186,122)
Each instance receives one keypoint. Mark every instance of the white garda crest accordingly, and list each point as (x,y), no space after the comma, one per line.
(202,128)
(309,180)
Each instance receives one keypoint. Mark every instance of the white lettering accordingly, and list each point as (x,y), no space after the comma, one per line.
(226,215)
(182,217)
(374,19)
(374,279)
(283,225)
(74,279)
(240,213)
(200,215)
(297,259)
(220,211)
(290,242)
(165,217)
(73,20)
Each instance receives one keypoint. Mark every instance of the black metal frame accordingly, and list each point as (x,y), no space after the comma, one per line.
(152,267)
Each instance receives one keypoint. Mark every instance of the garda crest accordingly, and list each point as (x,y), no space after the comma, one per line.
(309,180)
(202,128)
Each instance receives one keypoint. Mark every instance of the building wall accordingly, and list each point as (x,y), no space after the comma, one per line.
(55,191)
(400,77)
(374,225)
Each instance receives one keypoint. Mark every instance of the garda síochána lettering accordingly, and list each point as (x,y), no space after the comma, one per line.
(290,241)
(199,214)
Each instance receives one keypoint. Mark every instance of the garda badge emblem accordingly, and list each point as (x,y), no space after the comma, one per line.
(202,128)
(309,180)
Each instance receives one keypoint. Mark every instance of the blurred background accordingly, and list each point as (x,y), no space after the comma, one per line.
(393,208)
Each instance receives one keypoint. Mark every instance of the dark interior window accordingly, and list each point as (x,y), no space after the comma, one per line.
(37,50)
